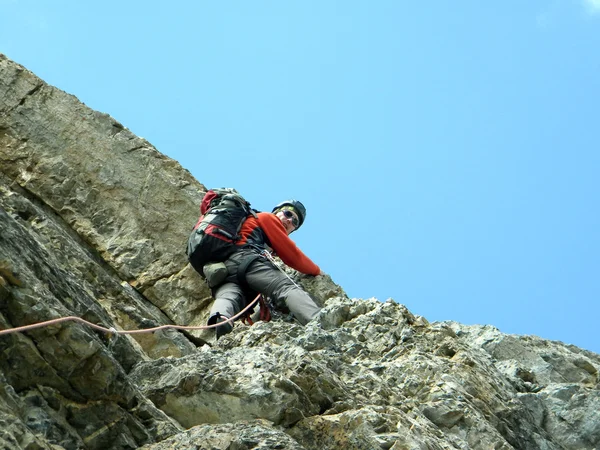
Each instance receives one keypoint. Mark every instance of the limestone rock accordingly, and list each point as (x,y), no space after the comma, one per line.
(131,204)
(93,223)
(243,435)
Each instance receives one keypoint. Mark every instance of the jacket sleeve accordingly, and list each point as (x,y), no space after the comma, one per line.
(285,248)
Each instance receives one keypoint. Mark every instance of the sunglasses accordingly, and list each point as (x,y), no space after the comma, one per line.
(290,215)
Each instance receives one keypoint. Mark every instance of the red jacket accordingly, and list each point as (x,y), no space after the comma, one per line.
(268,231)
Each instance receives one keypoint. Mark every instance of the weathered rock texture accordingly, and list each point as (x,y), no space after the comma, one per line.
(93,223)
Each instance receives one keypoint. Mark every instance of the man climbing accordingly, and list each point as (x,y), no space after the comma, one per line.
(249,271)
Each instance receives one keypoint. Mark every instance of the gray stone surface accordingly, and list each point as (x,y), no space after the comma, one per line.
(93,223)
(131,204)
(243,435)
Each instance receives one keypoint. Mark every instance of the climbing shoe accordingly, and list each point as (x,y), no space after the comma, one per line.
(222,330)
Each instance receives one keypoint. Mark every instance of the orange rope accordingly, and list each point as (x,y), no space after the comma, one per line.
(114,331)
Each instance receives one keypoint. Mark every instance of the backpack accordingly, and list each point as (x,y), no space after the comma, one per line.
(214,237)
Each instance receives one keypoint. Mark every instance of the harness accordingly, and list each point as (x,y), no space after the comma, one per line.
(265,310)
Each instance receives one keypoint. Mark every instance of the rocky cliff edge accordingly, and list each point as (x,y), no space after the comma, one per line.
(93,223)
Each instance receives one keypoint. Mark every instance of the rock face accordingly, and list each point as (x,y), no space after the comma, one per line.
(93,223)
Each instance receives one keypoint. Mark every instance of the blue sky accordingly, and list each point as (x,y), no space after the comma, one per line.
(447,153)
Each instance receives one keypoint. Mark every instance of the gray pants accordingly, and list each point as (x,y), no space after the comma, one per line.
(262,276)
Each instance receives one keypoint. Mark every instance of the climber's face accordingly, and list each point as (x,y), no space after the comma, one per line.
(289,219)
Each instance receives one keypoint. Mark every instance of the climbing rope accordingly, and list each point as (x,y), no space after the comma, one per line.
(115,331)
(112,330)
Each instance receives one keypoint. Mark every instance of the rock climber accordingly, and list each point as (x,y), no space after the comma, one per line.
(251,272)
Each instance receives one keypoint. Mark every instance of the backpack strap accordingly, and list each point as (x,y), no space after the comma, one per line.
(243,268)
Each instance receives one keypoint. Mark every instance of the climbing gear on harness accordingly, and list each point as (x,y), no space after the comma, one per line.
(213,239)
(297,206)
(265,312)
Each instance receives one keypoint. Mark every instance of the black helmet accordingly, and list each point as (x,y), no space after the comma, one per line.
(298,208)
